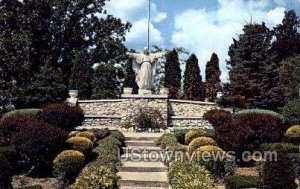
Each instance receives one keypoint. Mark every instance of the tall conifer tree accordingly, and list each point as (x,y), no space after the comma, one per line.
(212,78)
(130,77)
(193,86)
(172,79)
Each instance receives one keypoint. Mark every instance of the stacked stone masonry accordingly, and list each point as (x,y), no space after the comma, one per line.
(176,113)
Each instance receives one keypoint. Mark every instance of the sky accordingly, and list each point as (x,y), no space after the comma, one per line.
(200,26)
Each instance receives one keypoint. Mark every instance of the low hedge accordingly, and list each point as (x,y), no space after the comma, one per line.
(22,112)
(101,133)
(102,172)
(242,113)
(189,175)
(287,148)
(239,182)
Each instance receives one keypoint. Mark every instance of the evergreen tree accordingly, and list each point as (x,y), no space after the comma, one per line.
(130,77)
(105,84)
(81,77)
(193,86)
(212,78)
(251,70)
(289,73)
(44,88)
(172,79)
(287,38)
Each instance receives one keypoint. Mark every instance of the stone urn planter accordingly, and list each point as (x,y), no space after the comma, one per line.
(127,90)
(73,93)
(164,91)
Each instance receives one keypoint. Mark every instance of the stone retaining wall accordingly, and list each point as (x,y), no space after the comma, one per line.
(177,113)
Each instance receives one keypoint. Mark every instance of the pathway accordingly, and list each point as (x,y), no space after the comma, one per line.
(141,168)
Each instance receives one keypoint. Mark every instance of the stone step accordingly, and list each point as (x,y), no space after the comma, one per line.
(138,179)
(142,134)
(138,187)
(129,166)
(140,143)
(142,150)
(152,139)
(140,158)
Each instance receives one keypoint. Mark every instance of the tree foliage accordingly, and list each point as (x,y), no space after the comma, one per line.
(212,78)
(252,72)
(129,80)
(105,84)
(172,79)
(35,33)
(287,43)
(289,73)
(193,86)
(81,77)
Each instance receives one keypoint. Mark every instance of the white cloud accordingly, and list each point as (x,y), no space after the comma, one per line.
(136,12)
(204,32)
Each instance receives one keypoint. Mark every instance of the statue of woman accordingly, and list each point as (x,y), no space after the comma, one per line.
(144,66)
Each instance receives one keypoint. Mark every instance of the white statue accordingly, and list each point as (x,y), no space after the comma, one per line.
(144,65)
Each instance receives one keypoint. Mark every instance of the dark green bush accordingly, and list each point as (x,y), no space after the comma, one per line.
(118,135)
(180,135)
(243,113)
(291,111)
(35,142)
(286,148)
(63,116)
(148,119)
(22,112)
(101,133)
(240,182)
(6,171)
(278,174)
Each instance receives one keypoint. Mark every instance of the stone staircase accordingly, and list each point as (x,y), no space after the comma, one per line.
(141,167)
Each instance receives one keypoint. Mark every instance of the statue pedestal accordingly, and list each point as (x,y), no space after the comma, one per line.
(145,92)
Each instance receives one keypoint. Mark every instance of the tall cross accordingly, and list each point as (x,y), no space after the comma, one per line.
(149,16)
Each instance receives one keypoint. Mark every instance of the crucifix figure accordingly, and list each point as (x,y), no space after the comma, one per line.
(144,66)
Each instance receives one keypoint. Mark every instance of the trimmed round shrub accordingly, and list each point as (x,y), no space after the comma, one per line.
(291,111)
(192,134)
(34,140)
(167,140)
(278,174)
(242,113)
(87,134)
(63,116)
(22,112)
(218,117)
(102,177)
(68,163)
(293,134)
(201,141)
(293,131)
(81,144)
(242,181)
(189,175)
(210,151)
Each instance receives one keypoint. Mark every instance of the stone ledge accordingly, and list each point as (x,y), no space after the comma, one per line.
(103,116)
(186,118)
(99,101)
(193,102)
(137,96)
